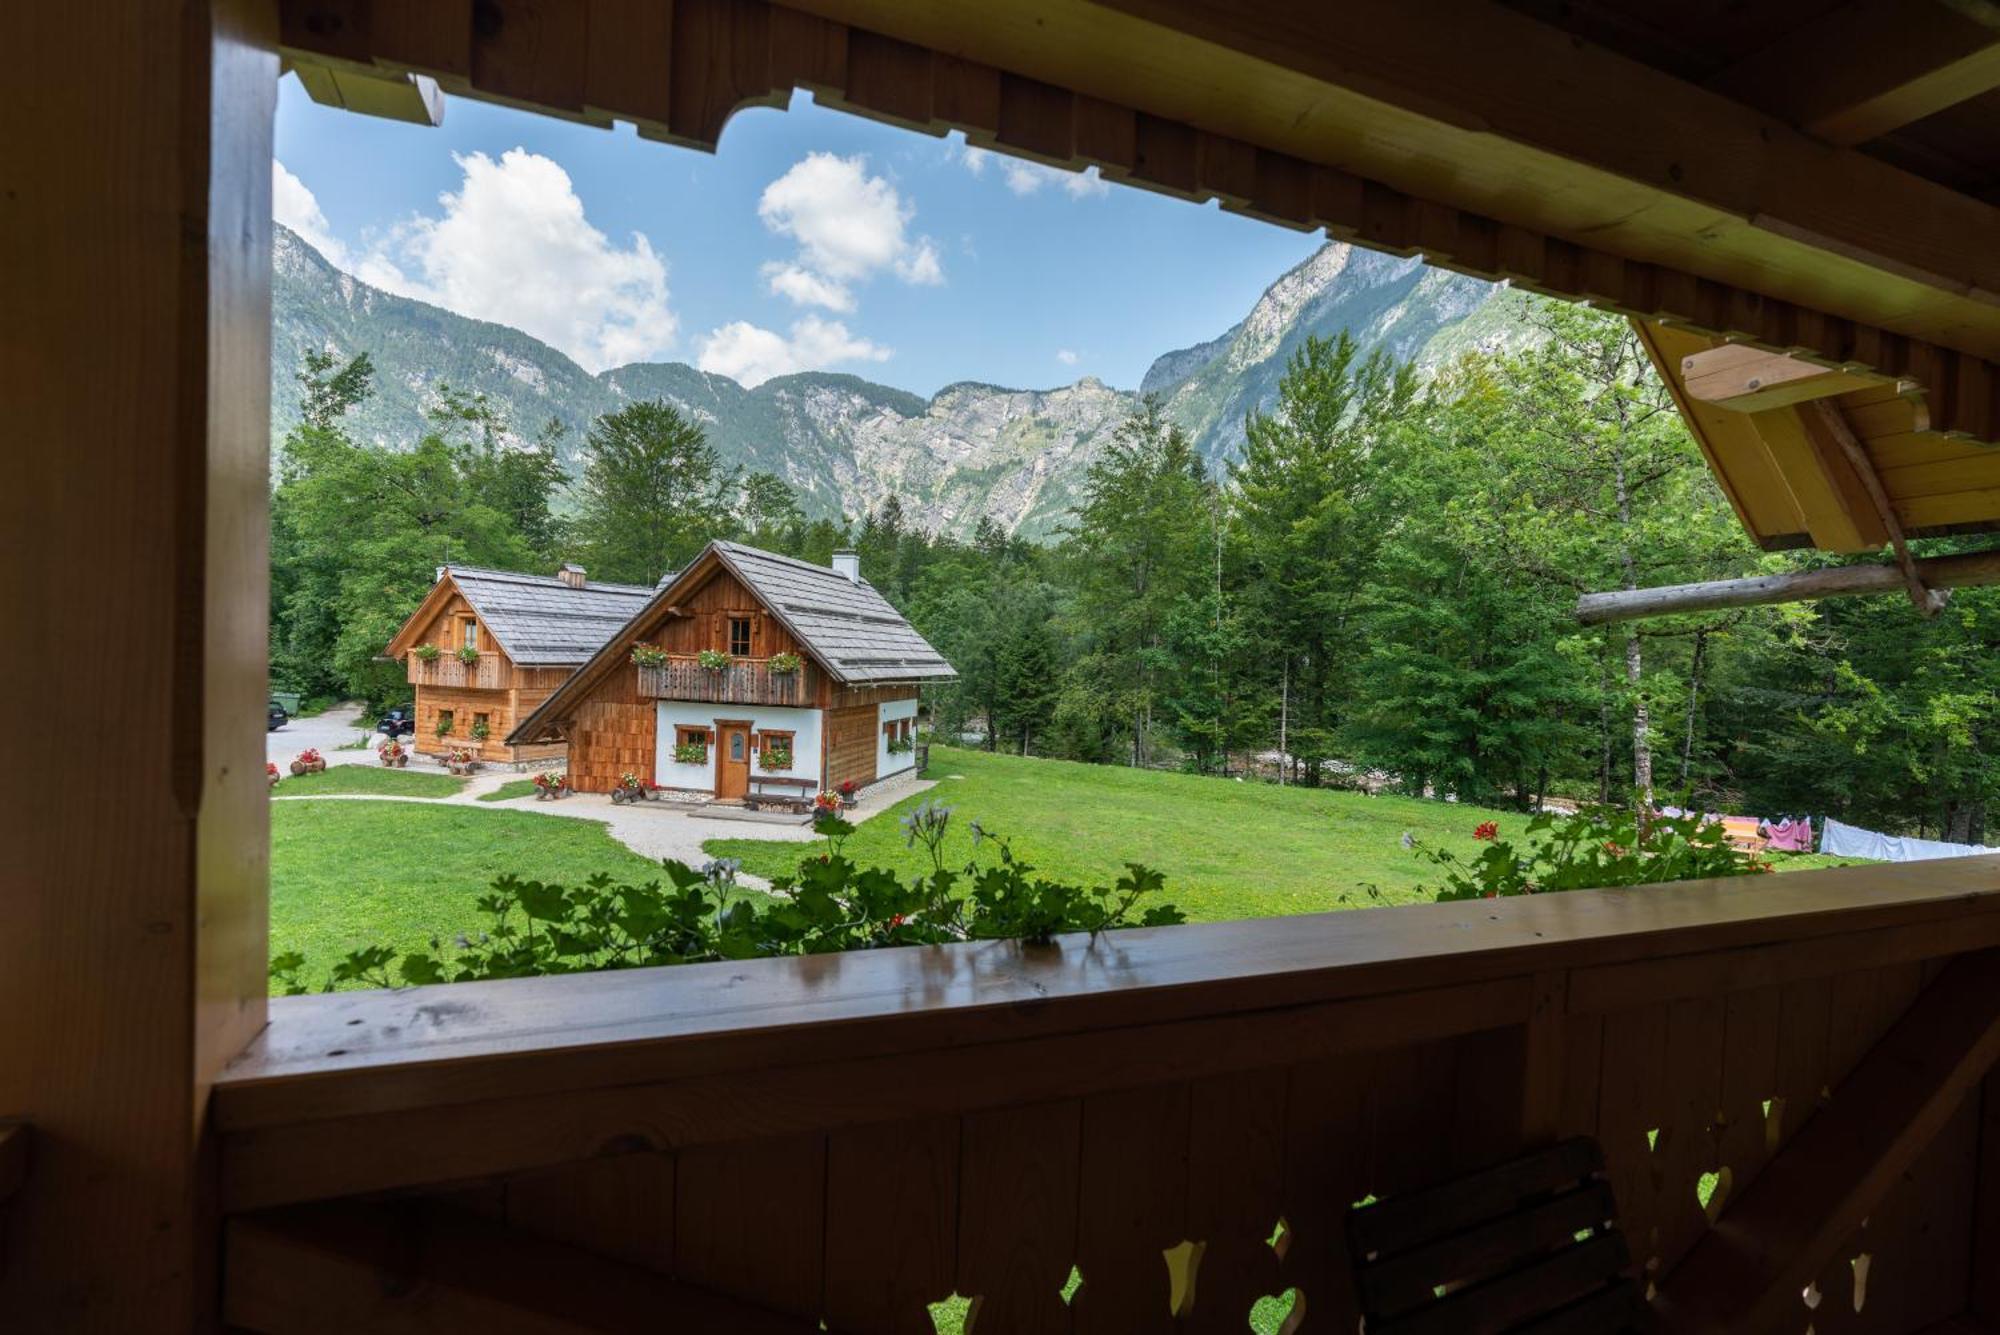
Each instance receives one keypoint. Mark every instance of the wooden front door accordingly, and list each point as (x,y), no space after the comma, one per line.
(732,759)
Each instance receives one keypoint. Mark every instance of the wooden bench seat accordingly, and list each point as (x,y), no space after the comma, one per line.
(797,800)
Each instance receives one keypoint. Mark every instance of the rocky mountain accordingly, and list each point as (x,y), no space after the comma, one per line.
(845,443)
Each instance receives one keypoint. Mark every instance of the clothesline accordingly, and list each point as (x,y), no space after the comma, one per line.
(1836,839)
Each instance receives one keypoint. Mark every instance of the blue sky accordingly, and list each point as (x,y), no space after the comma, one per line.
(811,240)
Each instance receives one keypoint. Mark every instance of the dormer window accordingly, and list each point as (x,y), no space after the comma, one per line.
(739,637)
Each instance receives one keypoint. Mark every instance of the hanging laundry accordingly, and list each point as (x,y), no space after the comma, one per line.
(1849,841)
(1789,836)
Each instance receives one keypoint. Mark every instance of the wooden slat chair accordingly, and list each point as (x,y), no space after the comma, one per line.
(1531,1245)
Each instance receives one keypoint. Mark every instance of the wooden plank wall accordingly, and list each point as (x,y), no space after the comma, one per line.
(850,745)
(612,733)
(867,1225)
(138,364)
(705,624)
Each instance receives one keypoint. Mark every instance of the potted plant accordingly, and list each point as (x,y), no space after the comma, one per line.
(443,727)
(777,756)
(848,788)
(825,804)
(631,788)
(460,760)
(271,772)
(691,753)
(468,655)
(309,762)
(426,652)
(550,785)
(649,655)
(713,660)
(783,665)
(480,731)
(392,754)
(901,746)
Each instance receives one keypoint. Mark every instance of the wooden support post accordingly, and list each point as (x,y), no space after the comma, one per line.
(357,1270)
(1749,1269)
(1963,571)
(1835,423)
(133,962)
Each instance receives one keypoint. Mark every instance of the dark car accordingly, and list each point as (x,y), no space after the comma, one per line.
(276,718)
(398,722)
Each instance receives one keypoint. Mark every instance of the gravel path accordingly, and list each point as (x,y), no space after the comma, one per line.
(327,731)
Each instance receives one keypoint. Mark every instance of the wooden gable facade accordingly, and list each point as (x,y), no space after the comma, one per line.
(612,726)
(460,696)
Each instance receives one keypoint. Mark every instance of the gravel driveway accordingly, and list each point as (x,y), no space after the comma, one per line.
(328,731)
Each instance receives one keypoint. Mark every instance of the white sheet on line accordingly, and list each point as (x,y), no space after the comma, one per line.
(1850,841)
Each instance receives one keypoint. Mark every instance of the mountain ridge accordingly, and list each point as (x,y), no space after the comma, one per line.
(845,443)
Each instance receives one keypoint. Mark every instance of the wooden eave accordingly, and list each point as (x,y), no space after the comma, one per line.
(405,638)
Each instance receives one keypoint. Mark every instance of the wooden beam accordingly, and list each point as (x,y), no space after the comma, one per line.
(13,1159)
(377,1270)
(1872,66)
(1747,379)
(413,98)
(1835,424)
(1963,571)
(1748,1270)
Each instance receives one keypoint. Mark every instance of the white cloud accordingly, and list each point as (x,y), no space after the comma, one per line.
(1066,357)
(512,245)
(1025,178)
(848,226)
(751,355)
(807,288)
(295,206)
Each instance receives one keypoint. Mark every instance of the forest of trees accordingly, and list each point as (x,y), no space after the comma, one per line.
(1383,581)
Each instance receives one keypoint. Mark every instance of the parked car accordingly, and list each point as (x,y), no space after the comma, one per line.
(276,718)
(398,722)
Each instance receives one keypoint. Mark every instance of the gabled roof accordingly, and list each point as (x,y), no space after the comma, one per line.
(538,620)
(848,628)
(845,624)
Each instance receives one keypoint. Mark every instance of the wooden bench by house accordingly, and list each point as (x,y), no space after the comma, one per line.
(797,798)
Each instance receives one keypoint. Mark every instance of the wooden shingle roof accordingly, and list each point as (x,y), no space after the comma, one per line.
(538,620)
(849,627)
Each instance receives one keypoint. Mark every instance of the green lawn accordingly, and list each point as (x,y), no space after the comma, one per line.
(375,780)
(509,790)
(1229,849)
(350,874)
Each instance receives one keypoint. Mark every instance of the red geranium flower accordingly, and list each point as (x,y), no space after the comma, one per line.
(1487,830)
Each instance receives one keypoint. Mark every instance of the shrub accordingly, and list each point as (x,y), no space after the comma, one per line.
(649,655)
(1595,847)
(829,904)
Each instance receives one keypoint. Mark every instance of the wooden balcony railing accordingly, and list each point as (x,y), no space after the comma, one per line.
(764,1145)
(746,681)
(449,670)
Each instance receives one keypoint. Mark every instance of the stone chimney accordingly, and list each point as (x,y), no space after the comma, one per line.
(571,574)
(848,564)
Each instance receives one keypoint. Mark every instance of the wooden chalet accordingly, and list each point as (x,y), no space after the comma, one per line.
(838,1142)
(485,647)
(840,708)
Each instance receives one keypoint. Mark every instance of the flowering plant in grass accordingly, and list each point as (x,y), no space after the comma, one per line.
(649,655)
(1589,849)
(828,904)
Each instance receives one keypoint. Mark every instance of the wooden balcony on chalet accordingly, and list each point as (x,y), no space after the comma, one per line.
(746,681)
(489,673)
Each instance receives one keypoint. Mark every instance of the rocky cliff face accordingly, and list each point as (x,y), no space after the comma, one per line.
(845,443)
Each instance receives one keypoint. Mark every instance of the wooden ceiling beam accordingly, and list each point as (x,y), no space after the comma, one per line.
(1465,164)
(1872,67)
(1750,380)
